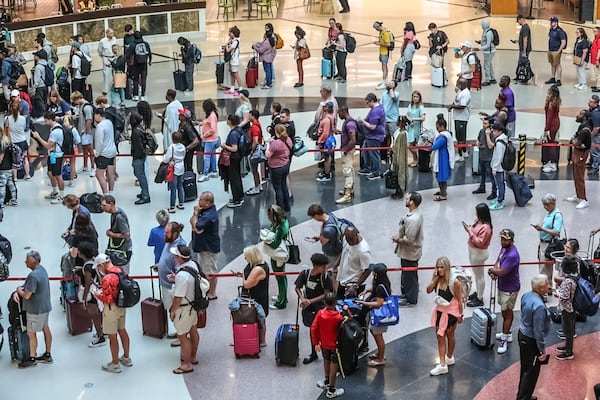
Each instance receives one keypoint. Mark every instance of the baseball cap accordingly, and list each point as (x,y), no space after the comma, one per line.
(507,234)
(14,93)
(377,268)
(466,43)
(244,92)
(328,104)
(554,18)
(181,251)
(185,112)
(377,24)
(41,54)
(101,259)
(76,45)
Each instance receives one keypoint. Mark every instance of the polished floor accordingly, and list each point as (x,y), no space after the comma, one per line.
(411,351)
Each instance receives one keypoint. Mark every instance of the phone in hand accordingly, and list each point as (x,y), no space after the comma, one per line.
(310,239)
(513,41)
(159,115)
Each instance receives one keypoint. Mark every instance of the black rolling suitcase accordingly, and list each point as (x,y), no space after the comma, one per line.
(88,93)
(18,341)
(220,70)
(424,159)
(350,339)
(286,343)
(190,189)
(129,87)
(178,74)
(64,90)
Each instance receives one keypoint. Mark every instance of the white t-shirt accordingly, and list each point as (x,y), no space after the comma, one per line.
(466,62)
(463,98)
(354,260)
(176,152)
(17,129)
(105,139)
(184,283)
(235,53)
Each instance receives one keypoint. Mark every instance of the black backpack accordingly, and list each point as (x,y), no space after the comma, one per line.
(150,144)
(245,143)
(16,70)
(350,42)
(48,75)
(118,122)
(91,201)
(495,37)
(128,294)
(510,155)
(5,250)
(477,61)
(200,301)
(141,52)
(67,146)
(85,67)
(340,224)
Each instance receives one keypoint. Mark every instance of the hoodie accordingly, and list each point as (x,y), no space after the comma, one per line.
(324,328)
(487,38)
(39,73)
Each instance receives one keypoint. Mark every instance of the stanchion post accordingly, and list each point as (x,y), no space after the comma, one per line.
(522,145)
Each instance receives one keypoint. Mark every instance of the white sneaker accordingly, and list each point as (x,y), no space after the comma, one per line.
(144,98)
(135,98)
(553,167)
(335,393)
(381,85)
(502,346)
(57,200)
(321,385)
(502,336)
(547,167)
(110,367)
(582,87)
(577,85)
(439,370)
(449,360)
(582,204)
(459,159)
(82,170)
(92,173)
(573,199)
(126,361)
(213,175)
(72,183)
(202,178)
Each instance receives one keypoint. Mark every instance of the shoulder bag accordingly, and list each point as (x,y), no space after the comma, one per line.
(293,249)
(116,252)
(556,245)
(387,314)
(225,158)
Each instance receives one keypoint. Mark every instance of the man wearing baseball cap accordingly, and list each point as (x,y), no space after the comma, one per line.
(557,41)
(384,42)
(468,61)
(506,271)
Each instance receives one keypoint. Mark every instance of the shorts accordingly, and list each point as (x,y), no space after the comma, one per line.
(330,355)
(234,68)
(507,300)
(377,330)
(104,162)
(208,262)
(554,58)
(56,168)
(452,320)
(113,319)
(384,58)
(37,322)
(185,318)
(23,145)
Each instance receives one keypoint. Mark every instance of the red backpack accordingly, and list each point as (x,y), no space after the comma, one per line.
(25,96)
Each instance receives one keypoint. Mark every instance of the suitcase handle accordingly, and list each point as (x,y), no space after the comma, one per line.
(152,283)
(176,56)
(493,291)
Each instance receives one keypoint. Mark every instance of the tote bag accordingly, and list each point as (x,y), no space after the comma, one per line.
(387,314)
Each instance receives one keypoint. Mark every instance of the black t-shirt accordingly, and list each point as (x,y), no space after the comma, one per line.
(438,39)
(315,285)
(188,133)
(290,128)
(380,292)
(6,163)
(525,32)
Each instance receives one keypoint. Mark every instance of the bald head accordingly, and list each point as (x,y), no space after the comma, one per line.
(352,236)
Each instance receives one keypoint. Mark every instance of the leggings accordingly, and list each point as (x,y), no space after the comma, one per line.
(478,257)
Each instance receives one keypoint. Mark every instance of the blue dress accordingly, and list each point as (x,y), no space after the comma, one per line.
(444,170)
(414,130)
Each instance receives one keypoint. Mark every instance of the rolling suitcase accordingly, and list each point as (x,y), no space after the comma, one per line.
(154,314)
(178,74)
(286,343)
(520,188)
(220,69)
(327,68)
(475,160)
(129,87)
(18,341)
(78,319)
(245,340)
(424,159)
(438,77)
(252,73)
(190,190)
(398,71)
(64,89)
(483,322)
(350,340)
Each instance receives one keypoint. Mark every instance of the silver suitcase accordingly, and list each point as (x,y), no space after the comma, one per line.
(439,77)
(483,323)
(475,160)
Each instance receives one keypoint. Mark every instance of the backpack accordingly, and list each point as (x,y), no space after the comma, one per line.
(128,291)
(85,68)
(62,76)
(53,54)
(5,250)
(141,53)
(464,278)
(392,42)
(477,61)
(118,122)
(524,72)
(495,37)
(16,70)
(201,286)
(17,156)
(510,156)
(417,44)
(245,143)
(341,224)
(197,54)
(68,147)
(585,301)
(91,201)
(48,76)
(360,133)
(150,144)
(278,41)
(350,42)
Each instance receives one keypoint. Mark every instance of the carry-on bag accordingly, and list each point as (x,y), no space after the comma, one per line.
(327,68)
(252,72)
(78,319)
(178,74)
(475,160)
(520,188)
(286,342)
(154,314)
(483,322)
(190,189)
(18,341)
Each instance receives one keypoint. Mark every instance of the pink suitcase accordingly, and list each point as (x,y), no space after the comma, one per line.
(245,340)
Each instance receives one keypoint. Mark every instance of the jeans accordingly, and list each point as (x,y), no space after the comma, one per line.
(117,92)
(6,180)
(499,178)
(581,78)
(488,66)
(139,170)
(176,188)
(596,151)
(268,67)
(279,181)
(372,157)
(210,160)
(189,76)
(485,171)
(340,63)
(409,52)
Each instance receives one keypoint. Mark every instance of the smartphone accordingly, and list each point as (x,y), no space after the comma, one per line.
(159,115)
(310,239)
(532,225)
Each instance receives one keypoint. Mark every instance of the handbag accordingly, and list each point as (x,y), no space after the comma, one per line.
(303,53)
(313,131)
(120,80)
(4,272)
(201,319)
(391,180)
(437,60)
(225,158)
(22,80)
(258,155)
(117,255)
(556,243)
(293,250)
(161,173)
(170,173)
(577,60)
(387,314)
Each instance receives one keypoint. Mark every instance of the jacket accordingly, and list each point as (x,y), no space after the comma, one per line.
(39,74)
(137,143)
(498,156)
(187,54)
(266,52)
(324,328)
(442,156)
(480,235)
(487,38)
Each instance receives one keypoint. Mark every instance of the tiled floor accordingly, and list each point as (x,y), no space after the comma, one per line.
(411,345)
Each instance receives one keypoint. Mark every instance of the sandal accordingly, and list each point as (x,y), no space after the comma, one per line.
(179,371)
(375,363)
(440,198)
(413,165)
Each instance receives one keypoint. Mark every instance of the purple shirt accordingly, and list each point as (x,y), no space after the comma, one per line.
(376,116)
(348,126)
(509,260)
(510,104)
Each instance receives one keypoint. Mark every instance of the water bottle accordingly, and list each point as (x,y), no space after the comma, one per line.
(52,158)
(120,299)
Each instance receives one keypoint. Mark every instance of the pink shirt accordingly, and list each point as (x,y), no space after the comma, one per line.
(480,235)
(278,153)
(209,128)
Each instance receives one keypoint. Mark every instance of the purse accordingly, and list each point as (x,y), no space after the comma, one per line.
(170,173)
(117,255)
(225,158)
(313,131)
(387,314)
(577,60)
(161,173)
(437,60)
(201,319)
(556,245)
(258,155)
(22,80)
(120,80)
(293,250)
(303,53)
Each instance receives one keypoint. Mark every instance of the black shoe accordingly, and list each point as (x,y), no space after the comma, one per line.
(596,90)
(558,83)
(142,201)
(310,358)
(492,196)
(30,362)
(493,81)
(344,11)
(472,296)
(593,87)
(478,191)
(485,83)
(364,349)
(45,358)
(475,303)
(550,81)
(139,196)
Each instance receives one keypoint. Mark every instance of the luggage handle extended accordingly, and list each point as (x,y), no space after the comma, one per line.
(493,292)
(152,283)
(176,60)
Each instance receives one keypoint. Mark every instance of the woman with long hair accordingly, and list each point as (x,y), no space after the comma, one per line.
(581,57)
(16,124)
(340,54)
(332,32)
(6,177)
(256,137)
(72,159)
(300,44)
(380,290)
(279,154)
(399,157)
(210,140)
(480,237)
(243,109)
(442,157)
(408,49)
(117,63)
(175,155)
(416,116)
(143,108)
(447,312)
(232,173)
(550,155)
(59,106)
(280,226)
(266,55)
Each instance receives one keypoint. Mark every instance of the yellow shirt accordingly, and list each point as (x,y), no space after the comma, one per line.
(385,38)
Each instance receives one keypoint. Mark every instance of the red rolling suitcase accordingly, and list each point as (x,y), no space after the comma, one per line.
(154,314)
(245,329)
(476,81)
(78,319)
(252,73)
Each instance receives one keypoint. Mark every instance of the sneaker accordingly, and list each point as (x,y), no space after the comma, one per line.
(472,296)
(502,346)
(51,196)
(381,85)
(492,196)
(253,191)
(449,360)
(478,191)
(234,204)
(562,336)
(439,370)
(266,87)
(577,85)
(82,170)
(27,178)
(213,175)
(547,167)
(561,349)
(459,159)
(333,392)
(171,210)
(406,303)
(134,98)
(322,384)
(72,183)
(558,83)
(13,203)
(92,173)
(45,358)
(573,199)
(374,176)
(57,200)
(475,303)
(144,98)
(126,361)
(202,178)
(550,81)
(582,204)
(180,207)
(97,342)
(582,87)
(364,171)
(110,367)
(30,362)
(229,91)
(324,178)
(508,337)
(565,356)
(497,206)
(235,94)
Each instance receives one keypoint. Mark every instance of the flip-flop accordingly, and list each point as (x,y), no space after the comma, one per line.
(213,298)
(440,198)
(195,362)
(179,371)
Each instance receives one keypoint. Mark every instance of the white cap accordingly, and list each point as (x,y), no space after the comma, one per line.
(466,43)
(101,259)
(14,93)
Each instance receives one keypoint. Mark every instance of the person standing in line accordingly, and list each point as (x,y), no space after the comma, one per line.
(87,251)
(7,182)
(189,137)
(594,108)
(170,118)
(206,241)
(233,173)
(415,113)
(374,124)
(210,140)
(509,103)
(499,142)
(566,293)
(77,80)
(534,327)
(119,227)
(524,40)
(181,312)
(461,112)
(188,58)
(175,155)
(595,59)
(138,156)
(551,227)
(447,313)
(300,44)
(581,58)
(86,130)
(128,38)
(233,49)
(550,154)
(106,54)
(348,144)
(438,41)
(557,41)
(326,129)
(485,143)
(467,63)
(156,238)
(279,156)
(54,145)
(256,137)
(390,101)
(280,228)
(105,150)
(113,317)
(506,271)
(266,54)
(141,54)
(290,128)
(408,49)
(582,142)
(409,247)
(488,48)
(442,157)
(37,306)
(480,236)
(399,162)
(340,54)
(40,59)
(384,42)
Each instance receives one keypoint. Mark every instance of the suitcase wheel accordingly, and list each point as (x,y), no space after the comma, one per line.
(238,356)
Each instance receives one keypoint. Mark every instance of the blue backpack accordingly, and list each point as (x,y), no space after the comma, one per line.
(197,54)
(585,301)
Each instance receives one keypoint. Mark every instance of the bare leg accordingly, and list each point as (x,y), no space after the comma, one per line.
(451,340)
(124,341)
(100,176)
(507,317)
(185,352)
(33,343)
(380,347)
(441,340)
(114,347)
(110,174)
